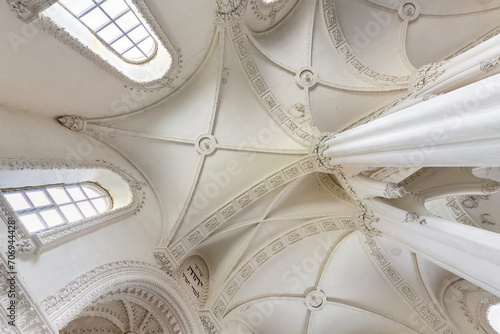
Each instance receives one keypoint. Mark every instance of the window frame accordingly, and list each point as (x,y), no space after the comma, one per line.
(53,205)
(124,34)
(69,171)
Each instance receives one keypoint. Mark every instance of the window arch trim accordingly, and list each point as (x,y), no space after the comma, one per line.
(28,243)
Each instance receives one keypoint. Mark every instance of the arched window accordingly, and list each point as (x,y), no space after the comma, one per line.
(120,33)
(45,207)
(117,26)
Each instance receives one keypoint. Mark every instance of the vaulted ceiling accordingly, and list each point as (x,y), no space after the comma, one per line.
(229,140)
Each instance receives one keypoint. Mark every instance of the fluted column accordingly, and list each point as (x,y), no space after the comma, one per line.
(469,252)
(461,128)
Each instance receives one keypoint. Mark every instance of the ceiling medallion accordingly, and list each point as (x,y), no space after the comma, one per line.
(315,300)
(205,144)
(409,10)
(306,77)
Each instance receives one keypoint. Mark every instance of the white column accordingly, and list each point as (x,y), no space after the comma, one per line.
(469,252)
(460,128)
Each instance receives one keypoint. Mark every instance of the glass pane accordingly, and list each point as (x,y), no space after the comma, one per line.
(134,55)
(91,192)
(122,44)
(100,204)
(138,33)
(51,217)
(114,7)
(148,46)
(17,201)
(38,198)
(87,209)
(77,7)
(127,21)
(76,193)
(109,33)
(494,317)
(59,195)
(71,213)
(32,222)
(95,19)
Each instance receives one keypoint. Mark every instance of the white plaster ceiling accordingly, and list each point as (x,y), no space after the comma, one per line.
(158,130)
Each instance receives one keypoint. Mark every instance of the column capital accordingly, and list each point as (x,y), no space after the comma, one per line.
(317,153)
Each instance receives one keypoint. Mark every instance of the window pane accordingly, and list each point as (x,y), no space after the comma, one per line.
(95,19)
(59,195)
(147,46)
(71,213)
(32,222)
(109,33)
(114,7)
(38,198)
(134,55)
(100,204)
(127,21)
(87,209)
(138,34)
(51,217)
(17,201)
(76,193)
(77,7)
(91,192)
(122,44)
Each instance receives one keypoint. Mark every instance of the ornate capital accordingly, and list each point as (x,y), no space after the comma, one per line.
(29,10)
(74,123)
(318,152)
(365,220)
(393,190)
(491,187)
(427,74)
(488,65)
(165,262)
(412,217)
(228,11)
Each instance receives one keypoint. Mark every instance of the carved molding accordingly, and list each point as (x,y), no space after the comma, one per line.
(293,125)
(393,190)
(426,75)
(131,277)
(412,217)
(402,286)
(348,56)
(181,248)
(317,153)
(269,249)
(29,10)
(228,11)
(32,243)
(30,318)
(74,123)
(209,322)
